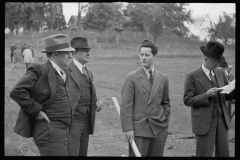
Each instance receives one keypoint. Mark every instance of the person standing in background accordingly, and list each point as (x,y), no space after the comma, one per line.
(12,48)
(17,56)
(28,56)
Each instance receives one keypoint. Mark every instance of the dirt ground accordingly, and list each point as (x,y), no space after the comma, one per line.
(108,139)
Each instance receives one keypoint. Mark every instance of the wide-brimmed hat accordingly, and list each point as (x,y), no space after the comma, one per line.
(80,42)
(213,50)
(57,42)
(223,63)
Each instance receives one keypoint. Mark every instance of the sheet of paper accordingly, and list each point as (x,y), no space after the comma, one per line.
(228,88)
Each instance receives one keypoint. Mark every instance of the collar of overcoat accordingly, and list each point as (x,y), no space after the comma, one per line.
(151,89)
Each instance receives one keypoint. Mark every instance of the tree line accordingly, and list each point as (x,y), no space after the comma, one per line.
(34,16)
(154,18)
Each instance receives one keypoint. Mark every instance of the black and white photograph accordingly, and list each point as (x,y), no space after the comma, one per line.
(119,79)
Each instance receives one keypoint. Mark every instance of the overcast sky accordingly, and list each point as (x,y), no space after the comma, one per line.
(214,10)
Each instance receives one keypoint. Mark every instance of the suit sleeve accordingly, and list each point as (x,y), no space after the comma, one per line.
(190,98)
(127,104)
(21,92)
(165,100)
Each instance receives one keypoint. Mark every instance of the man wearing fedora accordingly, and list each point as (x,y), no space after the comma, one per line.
(43,96)
(83,97)
(210,120)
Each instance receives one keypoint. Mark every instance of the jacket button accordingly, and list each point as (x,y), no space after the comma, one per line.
(144,92)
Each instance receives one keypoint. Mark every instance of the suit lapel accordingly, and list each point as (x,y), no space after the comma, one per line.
(204,80)
(73,73)
(91,79)
(156,83)
(219,78)
(143,79)
(52,82)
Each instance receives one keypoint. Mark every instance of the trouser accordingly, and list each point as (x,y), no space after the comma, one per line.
(79,134)
(51,138)
(216,136)
(150,146)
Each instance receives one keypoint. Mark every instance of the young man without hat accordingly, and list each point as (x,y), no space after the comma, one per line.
(145,108)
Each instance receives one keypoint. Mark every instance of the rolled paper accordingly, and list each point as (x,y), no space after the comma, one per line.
(132,142)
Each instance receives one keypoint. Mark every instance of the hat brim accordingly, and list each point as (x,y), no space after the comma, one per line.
(70,49)
(206,54)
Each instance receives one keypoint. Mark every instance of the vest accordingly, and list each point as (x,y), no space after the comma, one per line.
(60,108)
(217,105)
(85,91)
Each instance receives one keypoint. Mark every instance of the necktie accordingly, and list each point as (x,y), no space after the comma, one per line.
(63,75)
(151,77)
(212,78)
(85,73)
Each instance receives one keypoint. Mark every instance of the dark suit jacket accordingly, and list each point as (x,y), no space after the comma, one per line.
(33,92)
(196,86)
(74,89)
(145,108)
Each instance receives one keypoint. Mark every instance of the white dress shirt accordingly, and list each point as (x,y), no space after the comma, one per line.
(147,71)
(207,71)
(79,65)
(58,69)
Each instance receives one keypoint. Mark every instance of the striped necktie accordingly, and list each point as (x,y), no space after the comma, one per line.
(151,77)
(63,75)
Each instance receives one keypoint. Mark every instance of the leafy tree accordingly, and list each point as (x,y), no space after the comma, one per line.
(224,29)
(14,15)
(59,22)
(101,16)
(158,18)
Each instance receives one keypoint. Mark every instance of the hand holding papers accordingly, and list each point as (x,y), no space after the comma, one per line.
(228,88)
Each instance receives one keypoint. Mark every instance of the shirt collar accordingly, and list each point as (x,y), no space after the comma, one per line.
(147,71)
(206,71)
(57,68)
(79,65)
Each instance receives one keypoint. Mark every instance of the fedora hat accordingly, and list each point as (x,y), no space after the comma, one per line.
(213,50)
(80,42)
(57,42)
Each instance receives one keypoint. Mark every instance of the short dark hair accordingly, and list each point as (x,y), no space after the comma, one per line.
(149,44)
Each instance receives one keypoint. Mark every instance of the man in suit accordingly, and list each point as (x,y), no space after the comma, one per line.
(43,96)
(145,107)
(83,97)
(210,120)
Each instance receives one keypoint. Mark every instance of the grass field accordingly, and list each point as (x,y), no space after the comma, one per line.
(109,65)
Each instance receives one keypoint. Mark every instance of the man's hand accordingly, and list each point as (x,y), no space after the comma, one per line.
(42,115)
(129,135)
(99,106)
(211,92)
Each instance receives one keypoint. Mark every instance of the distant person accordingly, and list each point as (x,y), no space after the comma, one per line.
(210,119)
(12,48)
(83,97)
(43,96)
(17,54)
(145,108)
(28,56)
(23,48)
